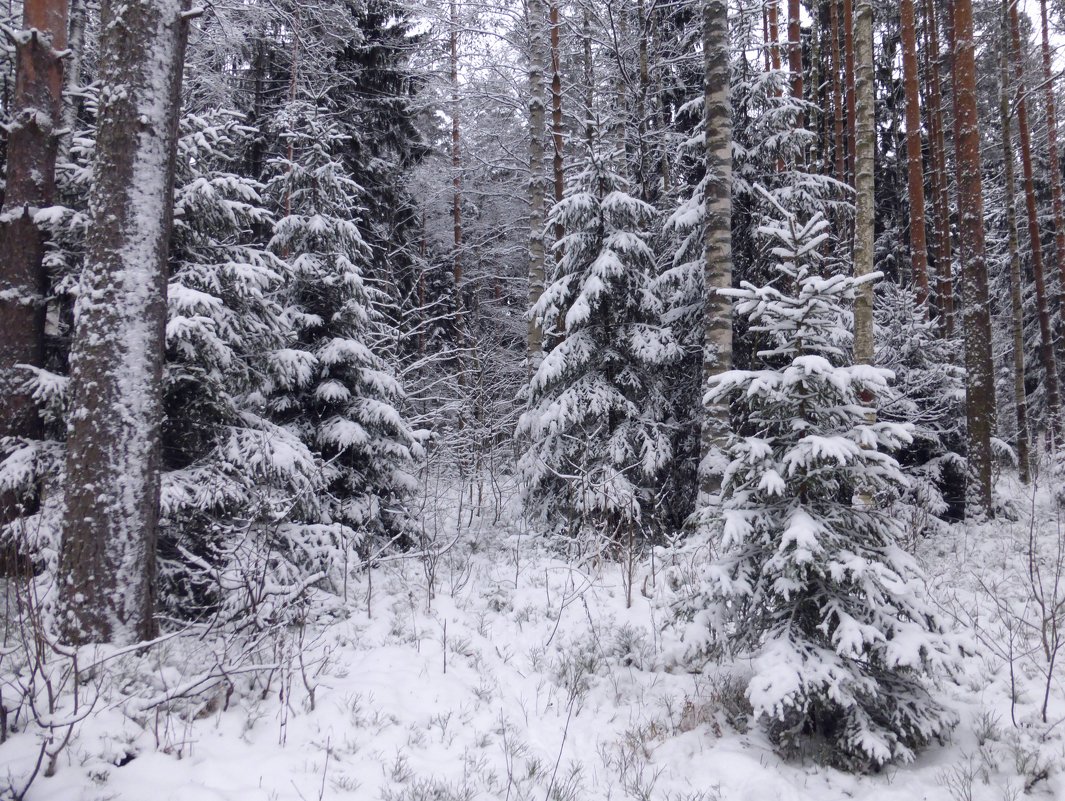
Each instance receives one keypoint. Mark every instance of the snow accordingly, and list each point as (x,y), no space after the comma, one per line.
(527,677)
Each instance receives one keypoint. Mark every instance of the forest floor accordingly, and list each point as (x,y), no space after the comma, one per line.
(522,676)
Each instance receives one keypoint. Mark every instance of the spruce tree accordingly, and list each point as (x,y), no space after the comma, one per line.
(809,579)
(596,421)
(329,386)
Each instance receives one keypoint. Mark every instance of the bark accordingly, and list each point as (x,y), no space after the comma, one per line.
(556,114)
(765,35)
(1016,290)
(456,180)
(112,471)
(717,315)
(32,144)
(589,79)
(915,165)
(72,76)
(774,34)
(940,183)
(795,54)
(1053,157)
(864,180)
(1046,334)
(537,133)
(976,318)
(848,71)
(837,94)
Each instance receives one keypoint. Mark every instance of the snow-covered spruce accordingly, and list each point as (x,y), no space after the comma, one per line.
(809,579)
(928,392)
(232,478)
(328,386)
(594,425)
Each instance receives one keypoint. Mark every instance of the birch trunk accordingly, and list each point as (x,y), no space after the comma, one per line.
(556,116)
(717,314)
(112,471)
(456,186)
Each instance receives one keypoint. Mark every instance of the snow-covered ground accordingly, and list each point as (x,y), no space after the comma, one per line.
(526,677)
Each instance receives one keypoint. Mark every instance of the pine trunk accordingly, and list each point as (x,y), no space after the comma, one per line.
(795,52)
(864,179)
(837,94)
(940,183)
(32,144)
(774,34)
(1053,157)
(1016,290)
(1046,334)
(717,314)
(848,71)
(915,159)
(110,521)
(976,319)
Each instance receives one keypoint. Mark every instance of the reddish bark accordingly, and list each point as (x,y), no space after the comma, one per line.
(33,141)
(915,166)
(1046,334)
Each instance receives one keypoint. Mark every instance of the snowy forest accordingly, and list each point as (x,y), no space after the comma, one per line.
(555,400)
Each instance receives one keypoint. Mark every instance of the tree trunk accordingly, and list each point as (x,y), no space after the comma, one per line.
(980,385)
(536,179)
(1053,157)
(774,34)
(864,179)
(456,181)
(72,76)
(837,94)
(717,314)
(1016,292)
(107,583)
(848,71)
(589,78)
(795,53)
(915,171)
(556,115)
(940,183)
(1046,334)
(32,145)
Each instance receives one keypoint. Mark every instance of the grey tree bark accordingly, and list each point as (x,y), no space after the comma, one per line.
(537,132)
(1016,290)
(112,472)
(717,308)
